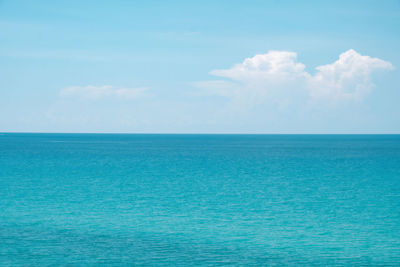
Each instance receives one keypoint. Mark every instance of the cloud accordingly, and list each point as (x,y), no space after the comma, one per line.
(97,92)
(275,65)
(346,78)
(277,75)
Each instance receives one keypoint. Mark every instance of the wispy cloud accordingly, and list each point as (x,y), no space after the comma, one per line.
(97,92)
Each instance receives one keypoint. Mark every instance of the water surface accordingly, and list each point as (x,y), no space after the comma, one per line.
(93,199)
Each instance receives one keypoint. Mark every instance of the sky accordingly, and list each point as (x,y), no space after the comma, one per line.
(200,66)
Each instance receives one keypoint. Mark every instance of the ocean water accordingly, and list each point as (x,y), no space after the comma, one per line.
(204,200)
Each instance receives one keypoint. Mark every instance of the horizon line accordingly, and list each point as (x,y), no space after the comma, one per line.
(189,133)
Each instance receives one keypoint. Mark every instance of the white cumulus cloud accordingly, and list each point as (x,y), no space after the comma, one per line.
(278,74)
(348,77)
(275,65)
(97,92)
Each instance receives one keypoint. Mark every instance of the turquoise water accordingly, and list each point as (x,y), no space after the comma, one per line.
(179,200)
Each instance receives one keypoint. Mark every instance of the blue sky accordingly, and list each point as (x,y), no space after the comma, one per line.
(200,66)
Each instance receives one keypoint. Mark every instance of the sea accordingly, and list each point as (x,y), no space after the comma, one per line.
(199,200)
